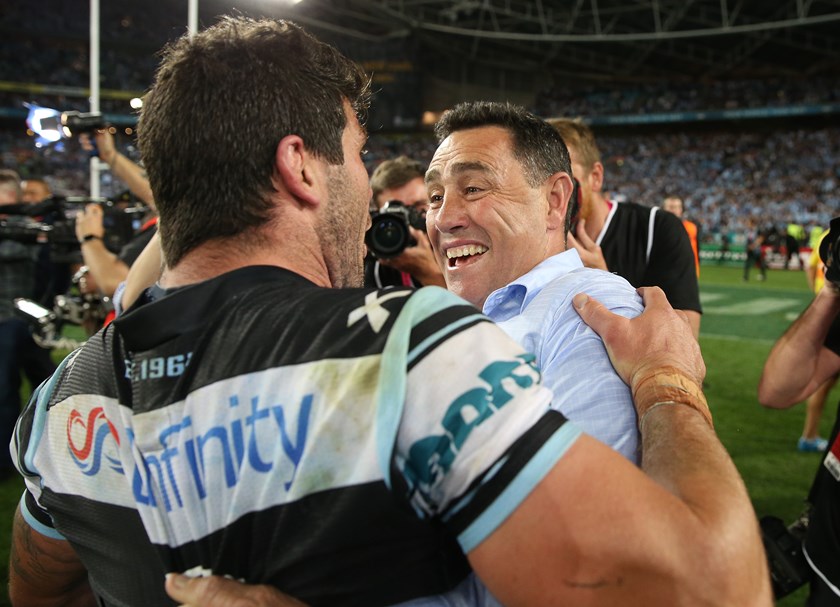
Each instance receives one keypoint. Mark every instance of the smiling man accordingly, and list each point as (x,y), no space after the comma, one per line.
(499,186)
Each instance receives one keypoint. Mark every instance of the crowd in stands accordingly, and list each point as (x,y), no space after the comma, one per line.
(613,99)
(725,177)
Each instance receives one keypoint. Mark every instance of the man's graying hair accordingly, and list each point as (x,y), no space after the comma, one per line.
(220,104)
(536,144)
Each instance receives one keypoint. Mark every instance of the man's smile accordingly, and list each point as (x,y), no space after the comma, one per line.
(457,256)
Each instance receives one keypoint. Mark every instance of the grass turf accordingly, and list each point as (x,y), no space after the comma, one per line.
(741,321)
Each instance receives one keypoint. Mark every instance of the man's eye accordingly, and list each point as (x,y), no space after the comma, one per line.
(472,189)
(436,199)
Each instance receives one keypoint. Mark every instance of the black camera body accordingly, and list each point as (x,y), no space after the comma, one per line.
(830,252)
(75,307)
(73,122)
(53,221)
(388,235)
(785,557)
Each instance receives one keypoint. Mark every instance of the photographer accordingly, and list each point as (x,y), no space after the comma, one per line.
(402,180)
(812,346)
(18,351)
(106,268)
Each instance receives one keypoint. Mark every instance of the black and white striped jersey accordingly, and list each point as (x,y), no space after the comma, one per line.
(347,446)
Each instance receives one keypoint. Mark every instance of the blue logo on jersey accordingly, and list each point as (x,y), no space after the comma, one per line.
(234,447)
(431,458)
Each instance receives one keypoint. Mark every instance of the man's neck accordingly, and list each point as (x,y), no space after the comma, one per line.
(213,259)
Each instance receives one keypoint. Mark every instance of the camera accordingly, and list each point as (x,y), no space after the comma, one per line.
(76,307)
(830,252)
(73,122)
(53,221)
(389,235)
(785,557)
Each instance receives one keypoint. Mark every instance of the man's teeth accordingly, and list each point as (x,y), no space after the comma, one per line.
(473,249)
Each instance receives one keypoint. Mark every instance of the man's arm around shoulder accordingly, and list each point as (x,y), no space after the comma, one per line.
(597,531)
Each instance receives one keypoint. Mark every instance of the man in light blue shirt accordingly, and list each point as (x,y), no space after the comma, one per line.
(500,187)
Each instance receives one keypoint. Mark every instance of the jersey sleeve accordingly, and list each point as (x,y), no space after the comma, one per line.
(29,431)
(475,434)
(671,266)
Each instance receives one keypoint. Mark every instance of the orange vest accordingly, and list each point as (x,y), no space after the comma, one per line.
(691,228)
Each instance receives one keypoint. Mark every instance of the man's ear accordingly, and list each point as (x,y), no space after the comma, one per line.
(296,170)
(596,177)
(559,194)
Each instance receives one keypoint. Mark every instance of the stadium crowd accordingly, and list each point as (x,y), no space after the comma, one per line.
(725,177)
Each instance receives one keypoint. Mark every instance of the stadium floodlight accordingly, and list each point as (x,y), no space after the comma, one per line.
(136,103)
(44,122)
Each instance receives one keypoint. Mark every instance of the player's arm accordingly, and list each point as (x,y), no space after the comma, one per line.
(597,531)
(45,572)
(144,272)
(799,363)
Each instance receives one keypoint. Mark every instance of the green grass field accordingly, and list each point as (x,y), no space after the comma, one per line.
(740,323)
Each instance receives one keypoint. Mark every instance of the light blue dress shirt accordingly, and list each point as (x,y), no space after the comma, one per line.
(537,311)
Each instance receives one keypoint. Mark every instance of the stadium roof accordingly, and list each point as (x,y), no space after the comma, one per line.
(612,40)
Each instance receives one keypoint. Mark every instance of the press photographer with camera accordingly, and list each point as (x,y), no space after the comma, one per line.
(18,351)
(399,249)
(106,268)
(802,360)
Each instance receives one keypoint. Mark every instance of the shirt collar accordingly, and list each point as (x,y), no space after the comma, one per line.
(511,299)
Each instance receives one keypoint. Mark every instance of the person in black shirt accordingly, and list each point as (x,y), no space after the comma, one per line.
(811,346)
(643,245)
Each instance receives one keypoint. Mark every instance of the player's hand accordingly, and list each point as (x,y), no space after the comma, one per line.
(659,337)
(590,253)
(418,261)
(216,591)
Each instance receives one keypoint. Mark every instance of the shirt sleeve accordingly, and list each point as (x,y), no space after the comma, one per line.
(671,265)
(475,434)
(578,371)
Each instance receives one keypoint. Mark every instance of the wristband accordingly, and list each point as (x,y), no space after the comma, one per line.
(669,386)
(89,237)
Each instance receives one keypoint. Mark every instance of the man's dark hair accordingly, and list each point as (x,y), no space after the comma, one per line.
(220,104)
(395,173)
(536,144)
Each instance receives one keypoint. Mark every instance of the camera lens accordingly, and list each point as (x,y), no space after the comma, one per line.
(388,236)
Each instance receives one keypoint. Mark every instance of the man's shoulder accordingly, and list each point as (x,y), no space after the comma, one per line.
(607,287)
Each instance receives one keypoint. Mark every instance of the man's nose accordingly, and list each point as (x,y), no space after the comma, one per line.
(451,215)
